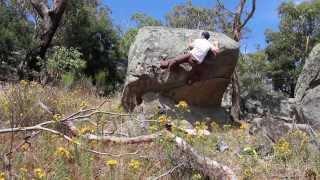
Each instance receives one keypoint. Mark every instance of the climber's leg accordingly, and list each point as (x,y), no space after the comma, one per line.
(184,58)
(195,73)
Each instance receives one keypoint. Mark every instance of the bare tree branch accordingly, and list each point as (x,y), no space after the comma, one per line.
(201,163)
(41,8)
(253,9)
(50,22)
(223,7)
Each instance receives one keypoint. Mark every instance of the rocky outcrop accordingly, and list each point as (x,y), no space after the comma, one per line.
(310,75)
(259,102)
(144,74)
(307,92)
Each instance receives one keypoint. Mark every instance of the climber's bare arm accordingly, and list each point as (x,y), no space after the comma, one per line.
(190,44)
(215,48)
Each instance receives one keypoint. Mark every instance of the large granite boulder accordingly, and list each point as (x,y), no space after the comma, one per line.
(307,92)
(310,75)
(144,74)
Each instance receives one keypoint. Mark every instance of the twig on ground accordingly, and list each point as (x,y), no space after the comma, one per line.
(201,163)
(168,172)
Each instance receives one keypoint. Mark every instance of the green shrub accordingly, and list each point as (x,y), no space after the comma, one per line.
(65,60)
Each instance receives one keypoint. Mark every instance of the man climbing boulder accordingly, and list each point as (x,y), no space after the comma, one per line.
(199,50)
(145,71)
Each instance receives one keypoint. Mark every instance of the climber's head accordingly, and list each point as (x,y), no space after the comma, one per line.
(205,35)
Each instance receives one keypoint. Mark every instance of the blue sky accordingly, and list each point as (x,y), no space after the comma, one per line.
(265,17)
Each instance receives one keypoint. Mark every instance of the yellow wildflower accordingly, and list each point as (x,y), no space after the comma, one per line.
(112,163)
(33,83)
(163,119)
(39,173)
(2,176)
(23,83)
(83,104)
(86,130)
(23,170)
(182,105)
(215,126)
(25,147)
(283,148)
(134,165)
(247,173)
(190,138)
(196,176)
(244,126)
(298,139)
(76,141)
(57,117)
(201,126)
(64,153)
(153,128)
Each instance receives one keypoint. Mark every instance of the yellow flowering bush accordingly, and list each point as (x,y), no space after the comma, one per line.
(244,126)
(247,173)
(182,105)
(298,139)
(86,130)
(25,147)
(134,165)
(163,120)
(283,149)
(153,128)
(2,176)
(39,173)
(201,129)
(76,141)
(57,117)
(112,163)
(24,83)
(23,172)
(64,153)
(83,104)
(215,126)
(196,176)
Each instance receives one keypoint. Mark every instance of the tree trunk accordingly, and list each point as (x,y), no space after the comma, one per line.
(50,22)
(235,108)
(238,25)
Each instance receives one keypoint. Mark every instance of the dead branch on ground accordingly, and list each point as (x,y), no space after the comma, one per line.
(203,164)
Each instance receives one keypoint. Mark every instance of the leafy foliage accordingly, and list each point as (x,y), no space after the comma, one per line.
(142,20)
(253,70)
(191,17)
(288,48)
(128,38)
(89,28)
(65,60)
(15,36)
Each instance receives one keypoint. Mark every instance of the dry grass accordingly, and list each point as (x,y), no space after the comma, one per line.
(49,157)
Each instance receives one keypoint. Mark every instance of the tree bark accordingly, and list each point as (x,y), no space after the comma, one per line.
(238,25)
(50,22)
(235,88)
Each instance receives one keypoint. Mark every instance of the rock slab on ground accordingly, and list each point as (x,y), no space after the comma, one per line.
(144,74)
